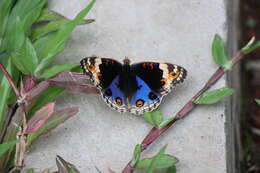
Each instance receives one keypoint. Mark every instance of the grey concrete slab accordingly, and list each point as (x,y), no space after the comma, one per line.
(180,32)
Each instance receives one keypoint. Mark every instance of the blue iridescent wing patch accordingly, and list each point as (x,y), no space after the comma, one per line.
(144,99)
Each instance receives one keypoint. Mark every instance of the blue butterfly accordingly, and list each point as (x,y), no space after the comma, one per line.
(136,88)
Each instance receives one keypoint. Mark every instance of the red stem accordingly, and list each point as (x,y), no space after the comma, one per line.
(10,80)
(188,107)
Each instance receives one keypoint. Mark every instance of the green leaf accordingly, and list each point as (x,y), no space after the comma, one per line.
(30,171)
(214,96)
(155,117)
(5,89)
(159,161)
(48,95)
(165,122)
(136,155)
(56,42)
(23,15)
(51,27)
(257,101)
(171,170)
(15,36)
(219,52)
(5,7)
(26,59)
(6,146)
(27,11)
(57,69)
(49,15)
(250,46)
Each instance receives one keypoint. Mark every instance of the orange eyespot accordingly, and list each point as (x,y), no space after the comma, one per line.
(91,67)
(163,81)
(174,74)
(139,103)
(119,101)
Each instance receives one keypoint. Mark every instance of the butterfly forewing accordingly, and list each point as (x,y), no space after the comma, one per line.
(104,72)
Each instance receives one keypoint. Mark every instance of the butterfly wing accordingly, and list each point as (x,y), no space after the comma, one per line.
(104,73)
(160,77)
(144,99)
(154,80)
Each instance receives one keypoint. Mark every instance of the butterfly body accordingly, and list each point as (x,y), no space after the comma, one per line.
(136,88)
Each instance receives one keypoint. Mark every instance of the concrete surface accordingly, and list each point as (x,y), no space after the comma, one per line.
(180,32)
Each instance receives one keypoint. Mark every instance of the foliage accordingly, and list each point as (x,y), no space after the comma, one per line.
(31,36)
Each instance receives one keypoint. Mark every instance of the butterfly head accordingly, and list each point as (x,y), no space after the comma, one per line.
(126,61)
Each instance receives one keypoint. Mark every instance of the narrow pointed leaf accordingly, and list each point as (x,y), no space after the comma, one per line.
(5,90)
(6,146)
(46,96)
(214,96)
(250,46)
(219,51)
(257,101)
(65,167)
(36,90)
(57,118)
(49,15)
(41,31)
(23,15)
(50,72)
(15,36)
(73,82)
(25,58)
(56,42)
(39,118)
(5,7)
(136,155)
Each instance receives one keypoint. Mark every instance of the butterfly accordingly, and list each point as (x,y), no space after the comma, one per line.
(135,88)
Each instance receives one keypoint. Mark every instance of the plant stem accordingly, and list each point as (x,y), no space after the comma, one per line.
(10,80)
(188,107)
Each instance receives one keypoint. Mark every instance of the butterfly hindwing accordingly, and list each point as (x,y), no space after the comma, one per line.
(144,99)
(114,97)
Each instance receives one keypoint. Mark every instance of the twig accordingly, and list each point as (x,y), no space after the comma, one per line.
(10,80)
(188,107)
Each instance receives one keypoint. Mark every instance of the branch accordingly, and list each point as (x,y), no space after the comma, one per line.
(10,80)
(187,108)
